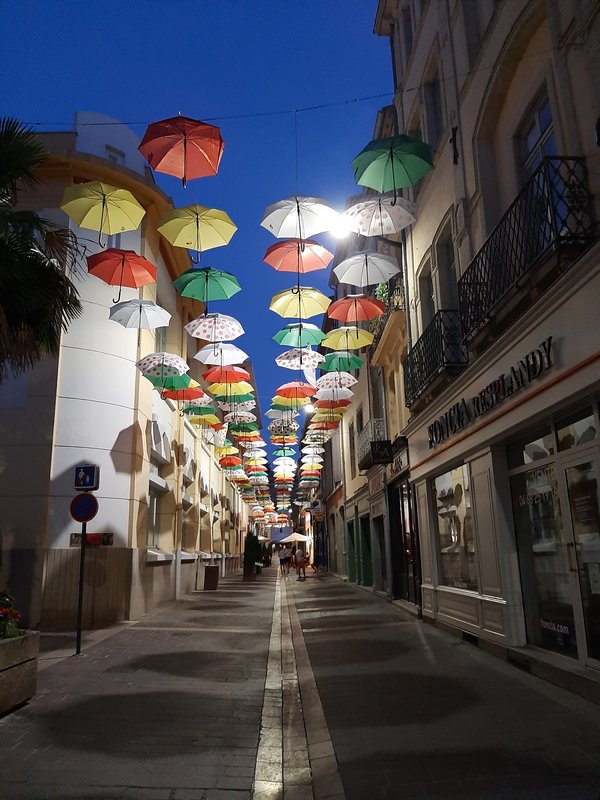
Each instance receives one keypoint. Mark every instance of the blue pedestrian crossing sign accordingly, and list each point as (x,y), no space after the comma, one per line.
(87,477)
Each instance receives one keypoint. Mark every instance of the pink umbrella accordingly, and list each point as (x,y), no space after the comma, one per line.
(297,255)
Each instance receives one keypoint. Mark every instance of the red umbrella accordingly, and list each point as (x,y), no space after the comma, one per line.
(121,268)
(191,393)
(355,308)
(296,389)
(297,255)
(230,461)
(183,147)
(332,403)
(323,426)
(226,375)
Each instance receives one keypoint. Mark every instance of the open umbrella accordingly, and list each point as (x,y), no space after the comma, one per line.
(334,394)
(297,358)
(332,379)
(240,416)
(392,163)
(121,268)
(355,308)
(297,255)
(341,361)
(242,403)
(196,410)
(140,314)
(346,338)
(366,268)
(205,283)
(171,382)
(101,207)
(299,334)
(296,390)
(192,392)
(230,389)
(381,216)
(221,354)
(183,147)
(299,217)
(302,302)
(215,328)
(226,374)
(197,227)
(162,364)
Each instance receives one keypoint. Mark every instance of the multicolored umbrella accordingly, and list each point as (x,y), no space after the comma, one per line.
(297,255)
(241,403)
(240,416)
(141,314)
(300,302)
(299,217)
(355,308)
(120,268)
(171,382)
(101,207)
(381,216)
(297,358)
(162,365)
(392,163)
(221,354)
(215,328)
(341,361)
(299,334)
(197,228)
(346,338)
(331,380)
(205,284)
(183,147)
(366,268)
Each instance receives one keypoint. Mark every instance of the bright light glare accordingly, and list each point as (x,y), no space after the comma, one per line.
(308,408)
(342,227)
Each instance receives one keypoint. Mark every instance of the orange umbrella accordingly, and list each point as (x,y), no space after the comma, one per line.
(355,308)
(296,390)
(297,255)
(226,374)
(191,393)
(121,268)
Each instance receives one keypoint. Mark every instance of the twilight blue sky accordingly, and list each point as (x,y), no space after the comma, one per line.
(244,65)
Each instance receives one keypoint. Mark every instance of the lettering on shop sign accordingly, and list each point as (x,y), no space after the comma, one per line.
(467,410)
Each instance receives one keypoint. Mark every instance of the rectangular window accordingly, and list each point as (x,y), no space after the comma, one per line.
(432,98)
(352,449)
(531,448)
(407,32)
(359,420)
(536,136)
(160,340)
(446,264)
(153,539)
(454,522)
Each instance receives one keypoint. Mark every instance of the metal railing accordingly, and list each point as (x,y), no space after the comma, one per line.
(551,215)
(374,431)
(439,349)
(394,299)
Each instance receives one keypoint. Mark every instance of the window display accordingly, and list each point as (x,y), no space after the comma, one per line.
(454,516)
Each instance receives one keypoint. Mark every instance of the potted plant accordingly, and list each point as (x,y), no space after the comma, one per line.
(252,555)
(18,656)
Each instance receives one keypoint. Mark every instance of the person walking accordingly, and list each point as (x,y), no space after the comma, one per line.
(287,554)
(300,564)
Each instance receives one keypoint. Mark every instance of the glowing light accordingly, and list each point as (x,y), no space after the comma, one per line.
(308,408)
(342,227)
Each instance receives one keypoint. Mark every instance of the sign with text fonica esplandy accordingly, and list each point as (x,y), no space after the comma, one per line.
(467,410)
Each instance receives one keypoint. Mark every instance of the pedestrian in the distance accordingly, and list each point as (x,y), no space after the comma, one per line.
(300,564)
(288,559)
(281,555)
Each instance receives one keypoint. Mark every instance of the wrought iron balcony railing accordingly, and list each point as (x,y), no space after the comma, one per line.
(440,350)
(551,218)
(394,299)
(373,446)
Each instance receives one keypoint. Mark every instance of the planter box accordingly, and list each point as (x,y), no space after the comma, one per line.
(18,669)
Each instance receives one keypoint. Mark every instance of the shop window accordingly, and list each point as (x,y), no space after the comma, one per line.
(532,448)
(578,428)
(454,522)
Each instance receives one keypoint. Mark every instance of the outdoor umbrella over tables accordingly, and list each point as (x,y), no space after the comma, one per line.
(183,147)
(392,163)
(381,216)
(121,268)
(297,255)
(197,227)
(140,314)
(102,207)
(366,268)
(299,217)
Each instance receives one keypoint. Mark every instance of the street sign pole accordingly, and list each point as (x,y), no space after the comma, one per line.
(81,583)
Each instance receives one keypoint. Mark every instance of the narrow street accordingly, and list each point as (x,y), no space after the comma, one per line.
(286,689)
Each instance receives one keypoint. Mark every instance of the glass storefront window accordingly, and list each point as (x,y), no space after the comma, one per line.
(532,448)
(576,429)
(454,517)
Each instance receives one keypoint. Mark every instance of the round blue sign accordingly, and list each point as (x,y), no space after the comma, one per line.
(84,507)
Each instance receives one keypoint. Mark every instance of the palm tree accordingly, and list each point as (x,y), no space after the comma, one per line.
(37,299)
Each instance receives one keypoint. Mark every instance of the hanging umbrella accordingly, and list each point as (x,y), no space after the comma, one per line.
(286,412)
(240,416)
(121,268)
(299,334)
(197,227)
(323,426)
(230,461)
(243,427)
(171,382)
(334,394)
(327,416)
(207,420)
(392,163)
(296,255)
(341,361)
(196,410)
(183,147)
(283,426)
(215,328)
(284,451)
(347,339)
(205,283)
(297,358)
(299,217)
(162,364)
(302,302)
(255,452)
(226,374)
(334,404)
(381,216)
(366,268)
(221,354)
(193,392)
(312,458)
(101,207)
(230,389)
(296,389)
(247,404)
(332,379)
(355,308)
(140,314)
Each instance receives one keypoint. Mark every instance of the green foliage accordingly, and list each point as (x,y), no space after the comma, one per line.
(9,616)
(37,299)
(382,293)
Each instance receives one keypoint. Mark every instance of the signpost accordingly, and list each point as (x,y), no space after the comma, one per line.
(83,508)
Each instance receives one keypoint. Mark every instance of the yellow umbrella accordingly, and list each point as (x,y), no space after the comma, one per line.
(205,419)
(230,450)
(301,302)
(102,207)
(230,389)
(326,417)
(347,338)
(197,227)
(310,467)
(290,402)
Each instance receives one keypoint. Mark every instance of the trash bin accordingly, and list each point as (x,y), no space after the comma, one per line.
(211,577)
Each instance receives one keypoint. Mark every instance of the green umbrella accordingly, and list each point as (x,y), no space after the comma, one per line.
(199,411)
(239,398)
(299,334)
(205,283)
(341,361)
(392,163)
(243,427)
(284,451)
(170,382)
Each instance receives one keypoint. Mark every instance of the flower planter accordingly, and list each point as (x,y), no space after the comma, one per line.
(18,669)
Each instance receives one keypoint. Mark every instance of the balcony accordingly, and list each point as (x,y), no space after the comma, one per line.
(373,447)
(547,227)
(437,356)
(394,299)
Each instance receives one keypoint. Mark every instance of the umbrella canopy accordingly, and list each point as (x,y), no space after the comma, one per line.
(381,216)
(221,354)
(299,217)
(299,301)
(215,328)
(342,360)
(303,358)
(332,379)
(299,334)
(285,412)
(230,389)
(355,308)
(284,451)
(332,403)
(239,404)
(196,410)
(192,392)
(101,207)
(208,420)
(392,163)
(171,382)
(227,450)
(334,394)
(197,227)
(226,374)
(230,461)
(296,389)
(121,268)
(162,364)
(366,268)
(240,416)
(140,314)
(183,147)
(297,255)
(345,338)
(205,283)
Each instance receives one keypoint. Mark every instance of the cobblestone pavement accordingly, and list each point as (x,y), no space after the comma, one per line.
(314,690)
